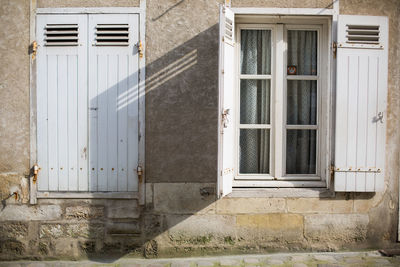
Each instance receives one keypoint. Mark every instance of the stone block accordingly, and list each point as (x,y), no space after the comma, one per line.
(30,213)
(364,202)
(200,229)
(51,230)
(183,198)
(250,205)
(317,205)
(276,227)
(123,209)
(123,228)
(84,212)
(83,230)
(15,230)
(336,227)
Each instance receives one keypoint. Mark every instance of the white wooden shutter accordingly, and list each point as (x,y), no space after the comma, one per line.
(226,102)
(62,102)
(113,102)
(361,103)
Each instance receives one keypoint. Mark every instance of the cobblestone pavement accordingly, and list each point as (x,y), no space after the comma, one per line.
(356,259)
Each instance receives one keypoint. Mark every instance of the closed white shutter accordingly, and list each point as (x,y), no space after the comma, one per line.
(62,102)
(226,102)
(88,102)
(361,103)
(113,102)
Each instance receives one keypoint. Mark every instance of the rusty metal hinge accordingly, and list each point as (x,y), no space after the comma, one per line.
(139,171)
(34,47)
(140,48)
(334,49)
(36,170)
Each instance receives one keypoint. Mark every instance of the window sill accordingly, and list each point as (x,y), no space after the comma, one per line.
(88,195)
(281,193)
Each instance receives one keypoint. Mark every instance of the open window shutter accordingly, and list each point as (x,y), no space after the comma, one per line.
(226,102)
(361,103)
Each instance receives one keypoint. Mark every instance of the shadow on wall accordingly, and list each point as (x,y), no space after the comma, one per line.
(181,145)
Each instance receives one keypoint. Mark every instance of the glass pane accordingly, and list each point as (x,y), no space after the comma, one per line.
(301,149)
(302,52)
(302,102)
(255,52)
(255,99)
(254,151)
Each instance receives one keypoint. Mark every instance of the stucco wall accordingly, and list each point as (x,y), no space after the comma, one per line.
(182,214)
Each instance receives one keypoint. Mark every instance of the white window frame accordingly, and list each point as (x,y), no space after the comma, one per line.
(278,80)
(140,194)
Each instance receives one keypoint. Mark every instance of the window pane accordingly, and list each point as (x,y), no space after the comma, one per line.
(255,52)
(255,99)
(301,148)
(302,51)
(301,102)
(254,151)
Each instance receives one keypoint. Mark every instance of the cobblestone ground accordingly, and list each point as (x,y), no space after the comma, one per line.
(356,259)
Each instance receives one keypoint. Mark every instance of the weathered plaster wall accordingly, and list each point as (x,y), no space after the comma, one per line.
(14,86)
(182,214)
(14,95)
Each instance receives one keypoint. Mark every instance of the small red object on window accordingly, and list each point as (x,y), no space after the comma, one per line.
(291,70)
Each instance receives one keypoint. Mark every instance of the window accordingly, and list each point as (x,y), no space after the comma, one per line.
(278,101)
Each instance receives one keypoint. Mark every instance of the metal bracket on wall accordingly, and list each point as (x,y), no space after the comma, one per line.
(36,170)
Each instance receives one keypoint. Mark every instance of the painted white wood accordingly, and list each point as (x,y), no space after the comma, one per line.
(114,113)
(226,127)
(61,74)
(361,95)
(283,11)
(88,195)
(62,122)
(72,122)
(279,119)
(91,10)
(109,99)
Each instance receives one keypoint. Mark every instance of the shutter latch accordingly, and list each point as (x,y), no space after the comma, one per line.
(225,119)
(36,170)
(334,49)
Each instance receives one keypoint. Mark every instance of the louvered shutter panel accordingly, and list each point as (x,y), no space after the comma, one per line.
(113,102)
(361,103)
(62,102)
(226,102)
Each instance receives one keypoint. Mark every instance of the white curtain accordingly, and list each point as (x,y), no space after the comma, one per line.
(302,103)
(255,58)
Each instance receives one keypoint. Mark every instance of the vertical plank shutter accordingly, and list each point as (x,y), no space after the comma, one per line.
(62,102)
(361,103)
(113,102)
(226,102)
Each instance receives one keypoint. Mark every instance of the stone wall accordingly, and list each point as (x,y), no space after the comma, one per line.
(182,214)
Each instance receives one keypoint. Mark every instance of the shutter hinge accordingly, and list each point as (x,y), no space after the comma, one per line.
(36,170)
(334,49)
(140,48)
(34,47)
(139,171)
(332,171)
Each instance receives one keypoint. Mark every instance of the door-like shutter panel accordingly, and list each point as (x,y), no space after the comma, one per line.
(62,102)
(226,102)
(361,103)
(113,102)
